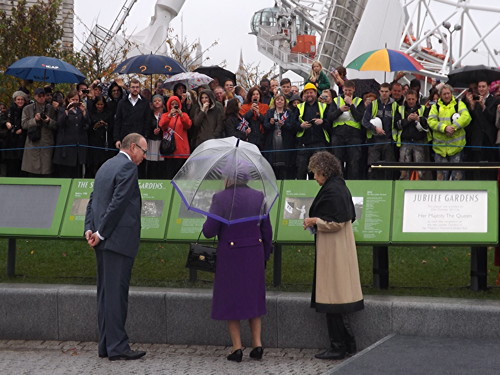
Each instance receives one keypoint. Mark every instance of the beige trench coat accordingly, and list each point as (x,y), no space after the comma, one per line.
(337,279)
(38,160)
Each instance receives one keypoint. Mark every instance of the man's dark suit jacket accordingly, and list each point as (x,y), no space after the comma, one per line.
(114,209)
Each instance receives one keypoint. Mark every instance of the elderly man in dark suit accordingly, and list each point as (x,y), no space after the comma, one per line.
(112,228)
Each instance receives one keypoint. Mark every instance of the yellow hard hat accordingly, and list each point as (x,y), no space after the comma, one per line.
(310,86)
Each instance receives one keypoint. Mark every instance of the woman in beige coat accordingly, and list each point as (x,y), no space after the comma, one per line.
(336,287)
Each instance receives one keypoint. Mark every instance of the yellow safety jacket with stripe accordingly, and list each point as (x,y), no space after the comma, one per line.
(339,101)
(439,118)
(322,108)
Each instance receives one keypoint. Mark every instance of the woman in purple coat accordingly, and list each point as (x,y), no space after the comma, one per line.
(243,249)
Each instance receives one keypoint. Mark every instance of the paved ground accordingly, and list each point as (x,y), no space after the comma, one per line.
(19,357)
(417,355)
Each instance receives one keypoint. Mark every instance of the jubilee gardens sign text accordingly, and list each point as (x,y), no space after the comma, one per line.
(442,211)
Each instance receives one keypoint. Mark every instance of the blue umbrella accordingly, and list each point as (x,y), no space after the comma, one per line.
(45,69)
(150,64)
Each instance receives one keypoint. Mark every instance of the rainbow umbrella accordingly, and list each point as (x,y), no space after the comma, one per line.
(385,60)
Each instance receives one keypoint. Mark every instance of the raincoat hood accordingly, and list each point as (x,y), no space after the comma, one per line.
(170,100)
(211,96)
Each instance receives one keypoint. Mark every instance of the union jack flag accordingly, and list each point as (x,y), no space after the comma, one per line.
(243,125)
(281,117)
(168,134)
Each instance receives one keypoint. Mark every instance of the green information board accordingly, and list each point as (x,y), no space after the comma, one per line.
(74,216)
(185,225)
(32,206)
(156,196)
(373,204)
(372,201)
(445,212)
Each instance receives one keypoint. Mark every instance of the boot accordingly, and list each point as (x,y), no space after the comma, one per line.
(336,330)
(335,352)
(350,341)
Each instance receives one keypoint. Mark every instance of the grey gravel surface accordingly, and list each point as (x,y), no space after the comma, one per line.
(19,357)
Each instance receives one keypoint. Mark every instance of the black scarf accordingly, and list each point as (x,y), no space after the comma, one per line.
(333,202)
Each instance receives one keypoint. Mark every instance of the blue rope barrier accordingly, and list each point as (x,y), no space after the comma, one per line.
(262,151)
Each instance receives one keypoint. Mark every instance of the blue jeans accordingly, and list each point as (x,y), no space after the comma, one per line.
(445,174)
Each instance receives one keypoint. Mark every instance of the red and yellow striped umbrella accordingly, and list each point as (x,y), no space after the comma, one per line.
(385,60)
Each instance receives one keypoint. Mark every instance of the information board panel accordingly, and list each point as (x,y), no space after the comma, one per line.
(185,225)
(445,212)
(156,195)
(32,206)
(372,201)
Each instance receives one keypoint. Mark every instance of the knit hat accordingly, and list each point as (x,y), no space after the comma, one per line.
(295,97)
(20,93)
(158,96)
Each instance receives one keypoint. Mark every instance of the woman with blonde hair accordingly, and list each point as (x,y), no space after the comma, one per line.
(317,77)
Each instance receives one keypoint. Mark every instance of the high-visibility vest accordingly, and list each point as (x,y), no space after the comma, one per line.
(401,110)
(339,101)
(439,118)
(394,109)
(322,108)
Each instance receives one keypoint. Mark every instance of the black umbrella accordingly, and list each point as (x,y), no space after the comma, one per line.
(466,75)
(215,71)
(364,86)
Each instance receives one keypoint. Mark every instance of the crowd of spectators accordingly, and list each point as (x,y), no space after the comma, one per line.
(70,135)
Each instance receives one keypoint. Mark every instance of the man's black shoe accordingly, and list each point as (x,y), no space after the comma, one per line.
(128,355)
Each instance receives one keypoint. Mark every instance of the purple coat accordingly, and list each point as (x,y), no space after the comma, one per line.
(239,284)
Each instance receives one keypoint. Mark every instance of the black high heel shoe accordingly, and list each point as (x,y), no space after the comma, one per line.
(236,356)
(257,352)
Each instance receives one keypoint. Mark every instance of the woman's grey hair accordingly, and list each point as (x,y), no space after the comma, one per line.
(326,164)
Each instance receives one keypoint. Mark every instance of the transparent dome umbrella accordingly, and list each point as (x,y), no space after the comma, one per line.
(222,164)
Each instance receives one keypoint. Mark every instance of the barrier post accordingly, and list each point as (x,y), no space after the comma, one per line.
(277,264)
(11,258)
(478,268)
(193,275)
(381,267)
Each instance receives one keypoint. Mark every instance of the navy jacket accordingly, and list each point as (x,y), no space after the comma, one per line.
(114,208)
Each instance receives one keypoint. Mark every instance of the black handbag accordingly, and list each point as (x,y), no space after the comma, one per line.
(201,257)
(35,133)
(167,144)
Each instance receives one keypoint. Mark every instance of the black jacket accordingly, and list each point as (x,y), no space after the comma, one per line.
(483,123)
(72,130)
(410,133)
(131,119)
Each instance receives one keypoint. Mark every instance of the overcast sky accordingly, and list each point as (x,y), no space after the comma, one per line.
(225,21)
(228,22)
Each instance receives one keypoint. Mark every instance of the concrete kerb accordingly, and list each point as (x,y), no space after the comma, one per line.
(182,316)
